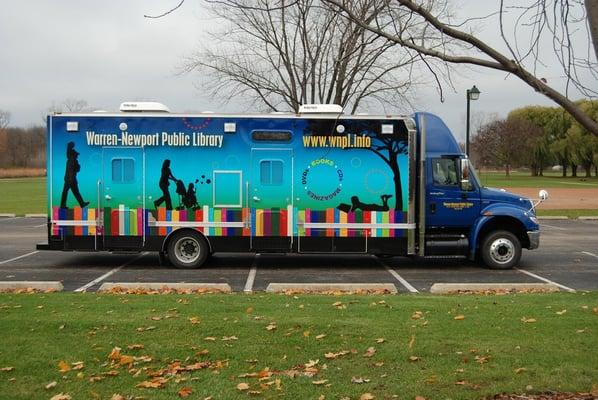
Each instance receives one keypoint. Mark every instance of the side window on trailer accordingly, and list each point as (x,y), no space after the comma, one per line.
(444,171)
(123,170)
(271,172)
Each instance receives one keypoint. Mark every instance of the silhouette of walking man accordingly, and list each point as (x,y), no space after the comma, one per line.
(70,176)
(164,177)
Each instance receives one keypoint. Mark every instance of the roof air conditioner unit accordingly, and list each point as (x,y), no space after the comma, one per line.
(143,106)
(320,109)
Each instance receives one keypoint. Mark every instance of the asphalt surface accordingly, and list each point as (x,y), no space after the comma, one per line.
(568,256)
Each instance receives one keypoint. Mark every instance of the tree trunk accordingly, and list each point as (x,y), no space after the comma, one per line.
(592,10)
(508,170)
(574,170)
(596,170)
(564,171)
(394,165)
(588,168)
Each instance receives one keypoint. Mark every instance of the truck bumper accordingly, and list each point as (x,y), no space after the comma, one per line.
(534,239)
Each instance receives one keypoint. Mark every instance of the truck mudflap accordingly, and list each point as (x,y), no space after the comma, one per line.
(534,239)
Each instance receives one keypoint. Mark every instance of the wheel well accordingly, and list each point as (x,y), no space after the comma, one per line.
(504,224)
(169,237)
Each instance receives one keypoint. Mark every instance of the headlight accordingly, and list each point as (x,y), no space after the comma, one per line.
(535,220)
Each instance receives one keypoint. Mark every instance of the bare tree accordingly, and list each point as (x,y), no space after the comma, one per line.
(4,121)
(284,53)
(533,22)
(70,105)
(499,143)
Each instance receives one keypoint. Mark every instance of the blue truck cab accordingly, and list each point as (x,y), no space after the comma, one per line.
(463,217)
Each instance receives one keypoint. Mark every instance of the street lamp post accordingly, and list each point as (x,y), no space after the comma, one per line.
(472,94)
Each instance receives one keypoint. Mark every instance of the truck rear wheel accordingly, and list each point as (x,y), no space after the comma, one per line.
(187,249)
(501,250)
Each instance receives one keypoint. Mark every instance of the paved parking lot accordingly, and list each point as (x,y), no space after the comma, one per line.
(568,256)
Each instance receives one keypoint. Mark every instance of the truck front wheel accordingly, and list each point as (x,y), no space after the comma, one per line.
(187,249)
(501,250)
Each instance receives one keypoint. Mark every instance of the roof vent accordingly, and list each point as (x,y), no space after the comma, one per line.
(143,106)
(320,109)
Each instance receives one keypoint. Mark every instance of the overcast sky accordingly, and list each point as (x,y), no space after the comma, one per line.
(106,52)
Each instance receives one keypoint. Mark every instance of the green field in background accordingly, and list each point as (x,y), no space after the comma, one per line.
(570,213)
(23,195)
(297,347)
(523,179)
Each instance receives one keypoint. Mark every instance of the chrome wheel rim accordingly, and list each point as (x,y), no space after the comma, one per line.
(187,250)
(502,251)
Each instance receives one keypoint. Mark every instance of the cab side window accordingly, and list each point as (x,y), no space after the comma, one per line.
(444,171)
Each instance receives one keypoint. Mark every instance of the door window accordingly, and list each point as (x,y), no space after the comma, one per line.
(123,170)
(444,171)
(271,172)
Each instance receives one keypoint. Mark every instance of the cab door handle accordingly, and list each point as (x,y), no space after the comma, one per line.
(433,208)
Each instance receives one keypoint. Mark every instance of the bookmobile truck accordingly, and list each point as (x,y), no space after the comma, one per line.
(317,181)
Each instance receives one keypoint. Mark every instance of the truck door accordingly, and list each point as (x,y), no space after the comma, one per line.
(447,205)
(271,199)
(122,195)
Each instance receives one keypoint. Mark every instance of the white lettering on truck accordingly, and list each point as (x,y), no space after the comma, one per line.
(174,139)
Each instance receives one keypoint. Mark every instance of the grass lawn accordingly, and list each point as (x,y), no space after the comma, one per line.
(23,195)
(296,347)
(571,213)
(523,179)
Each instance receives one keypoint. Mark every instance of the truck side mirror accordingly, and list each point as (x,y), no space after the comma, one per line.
(543,195)
(465,182)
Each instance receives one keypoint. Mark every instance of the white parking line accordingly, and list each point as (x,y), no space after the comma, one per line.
(553,227)
(589,254)
(251,276)
(35,226)
(19,257)
(9,218)
(567,288)
(107,274)
(398,277)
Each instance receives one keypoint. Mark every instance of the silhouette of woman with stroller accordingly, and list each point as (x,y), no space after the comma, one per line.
(165,175)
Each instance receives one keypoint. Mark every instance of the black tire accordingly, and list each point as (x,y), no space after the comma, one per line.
(163,259)
(501,250)
(188,249)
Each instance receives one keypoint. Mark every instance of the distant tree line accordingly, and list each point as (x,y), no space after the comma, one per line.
(538,138)
(26,147)
(23,147)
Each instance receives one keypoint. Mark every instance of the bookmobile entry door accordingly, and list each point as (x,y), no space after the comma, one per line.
(271,199)
(122,194)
